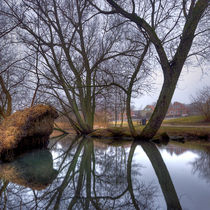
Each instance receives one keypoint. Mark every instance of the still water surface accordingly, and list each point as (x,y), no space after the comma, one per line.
(91,174)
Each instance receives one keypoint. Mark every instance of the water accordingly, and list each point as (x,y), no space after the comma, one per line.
(95,174)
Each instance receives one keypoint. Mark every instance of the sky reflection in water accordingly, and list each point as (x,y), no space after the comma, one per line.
(86,174)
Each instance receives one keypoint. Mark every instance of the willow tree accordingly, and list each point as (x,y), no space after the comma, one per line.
(73,45)
(171,27)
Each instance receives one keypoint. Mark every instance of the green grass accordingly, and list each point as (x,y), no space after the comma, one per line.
(191,120)
(184,130)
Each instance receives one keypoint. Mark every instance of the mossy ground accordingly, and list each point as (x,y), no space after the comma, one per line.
(199,133)
(187,127)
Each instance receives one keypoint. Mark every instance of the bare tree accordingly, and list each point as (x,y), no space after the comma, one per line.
(201,102)
(7,25)
(136,79)
(73,52)
(172,37)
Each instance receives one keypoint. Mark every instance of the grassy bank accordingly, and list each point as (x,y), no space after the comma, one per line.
(187,132)
(195,132)
(190,120)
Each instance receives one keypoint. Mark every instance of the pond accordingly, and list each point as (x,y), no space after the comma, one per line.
(82,173)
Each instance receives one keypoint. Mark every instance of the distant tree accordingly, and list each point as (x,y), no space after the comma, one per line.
(201,102)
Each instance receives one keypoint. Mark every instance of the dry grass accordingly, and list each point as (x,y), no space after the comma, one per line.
(12,175)
(31,121)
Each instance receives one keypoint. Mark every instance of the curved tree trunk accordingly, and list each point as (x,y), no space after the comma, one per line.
(171,69)
(161,108)
(129,178)
(129,118)
(130,88)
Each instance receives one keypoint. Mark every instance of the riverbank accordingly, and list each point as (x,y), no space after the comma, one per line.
(185,133)
(177,132)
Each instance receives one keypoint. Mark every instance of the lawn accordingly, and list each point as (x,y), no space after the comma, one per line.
(191,120)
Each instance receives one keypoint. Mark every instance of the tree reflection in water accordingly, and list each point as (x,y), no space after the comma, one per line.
(94,177)
(201,165)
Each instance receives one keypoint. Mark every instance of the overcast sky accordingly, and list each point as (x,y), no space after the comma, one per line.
(189,83)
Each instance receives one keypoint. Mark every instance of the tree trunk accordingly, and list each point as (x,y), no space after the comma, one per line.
(5,112)
(128,112)
(122,118)
(115,113)
(170,69)
(162,106)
